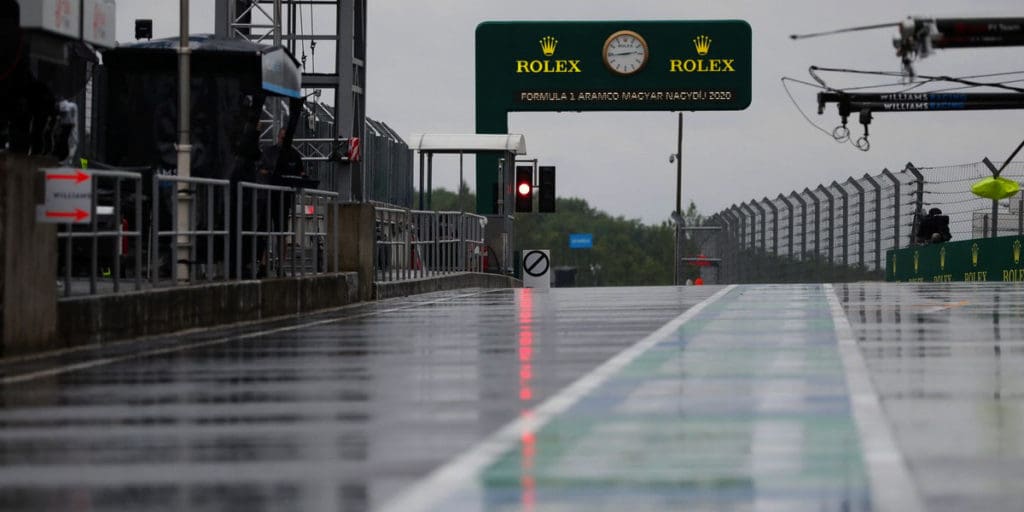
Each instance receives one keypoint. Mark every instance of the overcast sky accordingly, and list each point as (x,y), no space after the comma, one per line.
(421,79)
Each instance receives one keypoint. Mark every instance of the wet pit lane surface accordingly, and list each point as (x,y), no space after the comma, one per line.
(517,400)
(337,411)
(947,360)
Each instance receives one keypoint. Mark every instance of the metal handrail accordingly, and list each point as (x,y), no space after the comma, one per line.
(94,234)
(190,235)
(414,244)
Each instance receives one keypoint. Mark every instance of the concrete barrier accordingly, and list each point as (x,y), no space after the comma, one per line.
(441,283)
(101,318)
(28,260)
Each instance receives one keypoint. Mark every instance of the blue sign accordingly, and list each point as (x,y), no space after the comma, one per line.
(581,240)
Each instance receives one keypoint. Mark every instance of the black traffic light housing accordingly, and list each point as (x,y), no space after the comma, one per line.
(524,189)
(143,29)
(546,189)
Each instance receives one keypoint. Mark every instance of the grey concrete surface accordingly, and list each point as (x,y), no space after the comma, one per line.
(102,318)
(28,259)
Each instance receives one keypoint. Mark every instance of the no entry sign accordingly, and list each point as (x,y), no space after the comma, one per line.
(537,269)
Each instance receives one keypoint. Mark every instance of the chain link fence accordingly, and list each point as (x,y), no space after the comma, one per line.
(841,231)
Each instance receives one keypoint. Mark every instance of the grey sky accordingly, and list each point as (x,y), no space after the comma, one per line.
(420,79)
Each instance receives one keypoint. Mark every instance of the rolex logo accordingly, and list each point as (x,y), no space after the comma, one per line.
(1016,252)
(974,255)
(942,259)
(547,45)
(703,44)
(916,258)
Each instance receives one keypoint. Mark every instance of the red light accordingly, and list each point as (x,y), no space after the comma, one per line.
(524,189)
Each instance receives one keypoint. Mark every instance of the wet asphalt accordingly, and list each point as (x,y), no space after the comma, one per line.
(350,409)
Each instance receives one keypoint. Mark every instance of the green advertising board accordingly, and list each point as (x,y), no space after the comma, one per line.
(982,259)
(605,66)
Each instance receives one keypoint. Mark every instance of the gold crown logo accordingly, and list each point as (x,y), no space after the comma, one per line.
(1016,252)
(547,45)
(703,44)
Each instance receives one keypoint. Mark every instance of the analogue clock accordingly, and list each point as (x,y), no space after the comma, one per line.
(625,52)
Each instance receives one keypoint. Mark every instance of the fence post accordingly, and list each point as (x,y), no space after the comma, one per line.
(919,195)
(860,221)
(817,221)
(741,234)
(846,221)
(753,223)
(803,223)
(721,246)
(764,224)
(775,224)
(789,205)
(752,249)
(831,202)
(896,212)
(878,218)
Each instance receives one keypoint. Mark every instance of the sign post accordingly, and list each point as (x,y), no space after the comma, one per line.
(537,269)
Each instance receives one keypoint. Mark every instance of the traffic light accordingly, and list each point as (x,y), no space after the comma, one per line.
(524,189)
(546,189)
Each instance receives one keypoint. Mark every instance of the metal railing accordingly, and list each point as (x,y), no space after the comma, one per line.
(283,231)
(415,244)
(121,234)
(206,201)
(147,238)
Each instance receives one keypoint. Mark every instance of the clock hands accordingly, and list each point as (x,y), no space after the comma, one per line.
(634,52)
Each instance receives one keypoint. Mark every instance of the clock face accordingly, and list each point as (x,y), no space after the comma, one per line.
(625,52)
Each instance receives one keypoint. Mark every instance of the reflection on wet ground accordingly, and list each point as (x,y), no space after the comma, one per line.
(948,363)
(740,404)
(335,411)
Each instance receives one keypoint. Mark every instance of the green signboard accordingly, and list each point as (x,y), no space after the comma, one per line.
(613,65)
(983,259)
(605,66)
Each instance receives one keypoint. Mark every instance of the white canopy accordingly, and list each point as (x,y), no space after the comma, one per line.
(468,143)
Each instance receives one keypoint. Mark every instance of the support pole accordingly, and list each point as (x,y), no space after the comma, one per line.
(775,224)
(678,253)
(831,202)
(896,212)
(789,217)
(878,220)
(184,143)
(803,224)
(860,219)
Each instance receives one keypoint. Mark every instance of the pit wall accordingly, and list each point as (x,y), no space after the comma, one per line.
(983,259)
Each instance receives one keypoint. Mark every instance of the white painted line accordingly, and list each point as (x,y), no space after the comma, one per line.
(85,365)
(428,492)
(892,489)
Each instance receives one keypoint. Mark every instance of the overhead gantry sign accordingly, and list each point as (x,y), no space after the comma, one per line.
(605,66)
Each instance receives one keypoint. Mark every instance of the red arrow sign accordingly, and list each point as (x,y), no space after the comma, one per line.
(78,176)
(78,215)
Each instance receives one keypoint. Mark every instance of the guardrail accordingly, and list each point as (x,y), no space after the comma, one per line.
(191,247)
(413,244)
(111,224)
(282,230)
(218,235)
